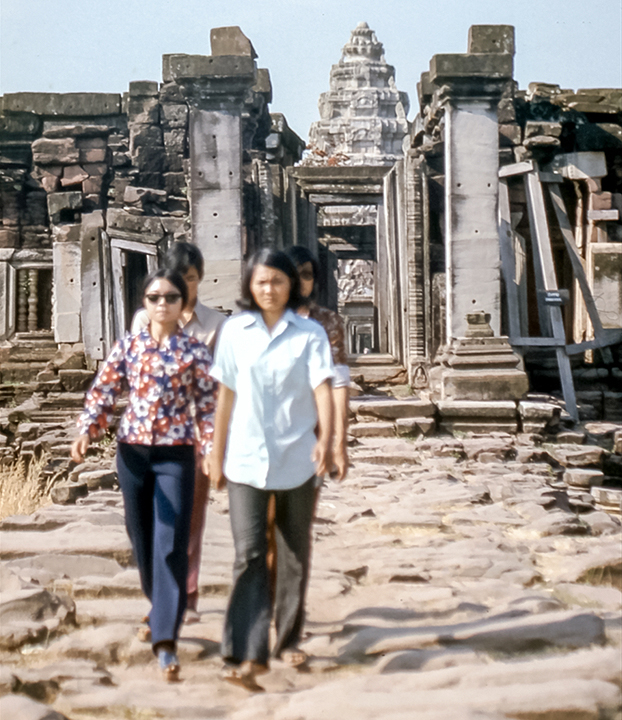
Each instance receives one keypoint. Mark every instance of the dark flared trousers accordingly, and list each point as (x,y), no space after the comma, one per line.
(157,483)
(247,621)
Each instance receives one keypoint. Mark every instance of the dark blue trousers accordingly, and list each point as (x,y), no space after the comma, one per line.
(157,483)
(247,620)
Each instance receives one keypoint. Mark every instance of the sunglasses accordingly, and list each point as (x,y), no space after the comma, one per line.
(169,298)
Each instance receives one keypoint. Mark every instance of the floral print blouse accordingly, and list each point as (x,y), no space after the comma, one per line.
(169,390)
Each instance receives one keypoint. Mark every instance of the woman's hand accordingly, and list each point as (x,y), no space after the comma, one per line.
(215,472)
(322,457)
(79,447)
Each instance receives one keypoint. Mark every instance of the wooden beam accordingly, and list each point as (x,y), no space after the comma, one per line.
(541,244)
(508,261)
(516,169)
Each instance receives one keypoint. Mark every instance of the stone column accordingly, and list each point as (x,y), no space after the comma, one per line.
(471,88)
(480,376)
(68,288)
(215,88)
(33,299)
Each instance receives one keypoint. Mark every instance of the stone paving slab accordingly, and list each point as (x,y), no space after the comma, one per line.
(447,577)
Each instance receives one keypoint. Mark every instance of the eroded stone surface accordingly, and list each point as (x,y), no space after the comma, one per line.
(448,576)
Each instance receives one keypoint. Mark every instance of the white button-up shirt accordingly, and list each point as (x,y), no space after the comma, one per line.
(273,375)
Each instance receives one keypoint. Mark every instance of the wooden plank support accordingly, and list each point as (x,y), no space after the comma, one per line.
(578,268)
(508,261)
(541,244)
(516,169)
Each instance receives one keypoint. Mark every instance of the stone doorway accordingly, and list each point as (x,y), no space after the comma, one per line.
(131,263)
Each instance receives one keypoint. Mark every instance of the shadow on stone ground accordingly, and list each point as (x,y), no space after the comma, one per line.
(451,580)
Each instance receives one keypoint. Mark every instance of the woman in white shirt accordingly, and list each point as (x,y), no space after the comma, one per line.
(275,370)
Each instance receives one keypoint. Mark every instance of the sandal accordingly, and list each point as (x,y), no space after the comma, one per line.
(244,675)
(169,665)
(144,631)
(294,657)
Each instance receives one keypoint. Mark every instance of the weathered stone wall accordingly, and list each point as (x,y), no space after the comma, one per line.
(88,178)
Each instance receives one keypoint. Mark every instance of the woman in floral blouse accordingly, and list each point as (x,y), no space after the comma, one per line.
(167,373)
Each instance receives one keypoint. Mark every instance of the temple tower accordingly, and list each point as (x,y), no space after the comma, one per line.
(363,115)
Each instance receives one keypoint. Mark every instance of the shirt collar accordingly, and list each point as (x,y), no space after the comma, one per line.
(253,317)
(150,343)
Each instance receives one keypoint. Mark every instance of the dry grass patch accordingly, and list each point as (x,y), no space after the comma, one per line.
(24,489)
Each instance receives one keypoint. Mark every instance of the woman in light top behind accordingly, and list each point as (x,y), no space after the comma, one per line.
(169,391)
(275,370)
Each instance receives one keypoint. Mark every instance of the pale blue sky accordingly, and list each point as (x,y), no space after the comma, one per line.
(89,45)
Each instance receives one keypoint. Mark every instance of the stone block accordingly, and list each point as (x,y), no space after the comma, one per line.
(58,202)
(372,429)
(491,39)
(582,477)
(542,142)
(94,155)
(73,175)
(67,104)
(414,426)
(95,169)
(477,66)
(144,135)
(510,134)
(393,409)
(143,110)
(539,127)
(149,160)
(580,165)
(175,183)
(99,479)
(66,232)
(20,707)
(19,124)
(143,88)
(175,140)
(231,41)
(75,380)
(485,385)
(174,115)
(50,183)
(121,220)
(62,151)
(92,185)
(201,66)
(68,493)
(75,130)
(9,237)
(133,195)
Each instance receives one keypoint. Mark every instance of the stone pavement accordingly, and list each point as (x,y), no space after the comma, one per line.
(451,581)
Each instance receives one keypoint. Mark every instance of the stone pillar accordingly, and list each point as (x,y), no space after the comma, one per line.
(33,299)
(7,294)
(480,376)
(216,88)
(471,88)
(68,292)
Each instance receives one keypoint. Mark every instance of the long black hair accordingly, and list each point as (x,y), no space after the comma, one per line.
(300,255)
(173,277)
(278,260)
